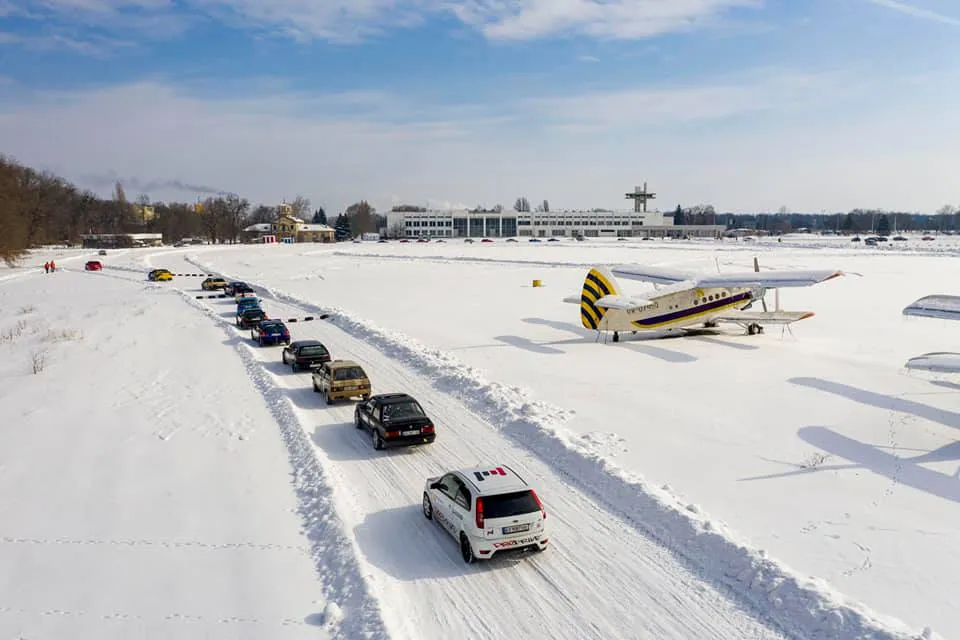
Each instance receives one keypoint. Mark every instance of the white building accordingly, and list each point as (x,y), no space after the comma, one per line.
(490,224)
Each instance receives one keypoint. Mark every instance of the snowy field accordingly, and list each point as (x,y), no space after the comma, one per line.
(709,486)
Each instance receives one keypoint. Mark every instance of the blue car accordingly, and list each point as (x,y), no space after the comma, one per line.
(270,332)
(247,303)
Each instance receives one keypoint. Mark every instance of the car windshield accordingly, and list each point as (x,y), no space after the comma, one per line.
(348,373)
(509,504)
(313,351)
(402,410)
(272,327)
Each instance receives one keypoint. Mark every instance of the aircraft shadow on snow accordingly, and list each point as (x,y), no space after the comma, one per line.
(875,458)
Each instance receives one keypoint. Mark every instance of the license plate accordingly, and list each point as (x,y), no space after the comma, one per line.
(517,528)
(415,432)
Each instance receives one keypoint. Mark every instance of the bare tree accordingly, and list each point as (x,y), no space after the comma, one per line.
(522,204)
(300,207)
(235,211)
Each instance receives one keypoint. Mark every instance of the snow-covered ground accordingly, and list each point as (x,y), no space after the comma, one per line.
(713,486)
(817,447)
(143,485)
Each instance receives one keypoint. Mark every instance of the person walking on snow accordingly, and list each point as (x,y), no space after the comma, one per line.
(46,267)
(53,266)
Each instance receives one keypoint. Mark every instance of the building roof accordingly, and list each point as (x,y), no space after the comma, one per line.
(315,227)
(261,226)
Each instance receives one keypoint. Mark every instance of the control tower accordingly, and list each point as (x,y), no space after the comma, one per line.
(640,196)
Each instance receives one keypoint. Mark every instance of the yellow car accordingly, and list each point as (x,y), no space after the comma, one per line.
(160,275)
(212,284)
(341,379)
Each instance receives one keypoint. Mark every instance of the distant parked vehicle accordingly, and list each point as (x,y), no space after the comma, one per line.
(102,252)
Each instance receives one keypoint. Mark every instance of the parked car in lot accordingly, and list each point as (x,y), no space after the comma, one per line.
(102,252)
(305,354)
(487,510)
(270,332)
(249,318)
(394,419)
(93,265)
(341,379)
(160,275)
(213,284)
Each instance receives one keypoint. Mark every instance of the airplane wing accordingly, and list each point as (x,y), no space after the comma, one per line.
(768,279)
(655,275)
(765,317)
(938,306)
(940,361)
(623,303)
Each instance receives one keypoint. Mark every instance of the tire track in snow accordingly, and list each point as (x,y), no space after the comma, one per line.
(578,588)
(804,607)
(351,611)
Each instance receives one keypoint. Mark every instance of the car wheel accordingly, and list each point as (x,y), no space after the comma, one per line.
(294,366)
(466,551)
(377,441)
(316,389)
(427,507)
(327,398)
(356,418)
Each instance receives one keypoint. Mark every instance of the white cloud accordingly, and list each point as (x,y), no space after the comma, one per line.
(628,19)
(894,154)
(354,20)
(917,12)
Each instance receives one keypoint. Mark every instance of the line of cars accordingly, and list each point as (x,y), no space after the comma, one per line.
(487,510)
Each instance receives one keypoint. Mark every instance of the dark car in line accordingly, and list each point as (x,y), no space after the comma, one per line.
(249,318)
(305,354)
(394,419)
(270,332)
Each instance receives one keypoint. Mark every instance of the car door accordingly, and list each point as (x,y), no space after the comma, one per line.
(366,409)
(443,502)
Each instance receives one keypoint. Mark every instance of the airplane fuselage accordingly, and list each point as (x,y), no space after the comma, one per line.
(685,308)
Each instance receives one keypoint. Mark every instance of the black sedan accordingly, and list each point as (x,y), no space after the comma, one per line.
(305,354)
(394,419)
(249,318)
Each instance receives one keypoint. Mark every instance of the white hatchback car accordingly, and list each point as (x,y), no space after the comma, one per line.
(487,510)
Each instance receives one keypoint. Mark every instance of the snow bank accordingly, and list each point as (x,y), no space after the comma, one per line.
(804,607)
(351,611)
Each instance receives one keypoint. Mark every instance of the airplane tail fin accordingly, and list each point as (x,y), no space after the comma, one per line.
(599,282)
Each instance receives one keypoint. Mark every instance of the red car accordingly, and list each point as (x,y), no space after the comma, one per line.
(93,265)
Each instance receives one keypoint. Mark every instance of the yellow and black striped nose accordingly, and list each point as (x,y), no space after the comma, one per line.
(595,286)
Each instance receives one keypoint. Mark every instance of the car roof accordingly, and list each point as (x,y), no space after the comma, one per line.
(493,479)
(393,398)
(342,363)
(306,343)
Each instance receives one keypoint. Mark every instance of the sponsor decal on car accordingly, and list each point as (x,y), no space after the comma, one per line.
(515,543)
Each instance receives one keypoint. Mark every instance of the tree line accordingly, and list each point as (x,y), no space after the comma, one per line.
(39,207)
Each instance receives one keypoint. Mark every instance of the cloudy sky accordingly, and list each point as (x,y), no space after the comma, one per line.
(746,104)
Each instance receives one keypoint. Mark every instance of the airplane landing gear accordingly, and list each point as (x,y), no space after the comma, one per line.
(753,328)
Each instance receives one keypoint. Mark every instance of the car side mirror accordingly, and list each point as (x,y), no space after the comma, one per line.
(439,486)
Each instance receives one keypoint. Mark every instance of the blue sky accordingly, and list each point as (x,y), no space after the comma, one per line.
(746,104)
